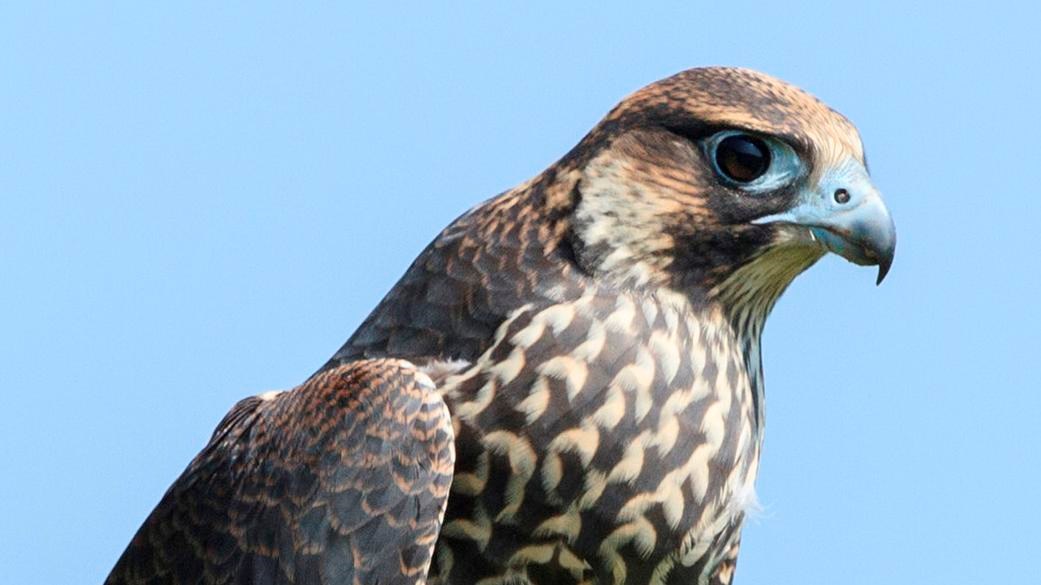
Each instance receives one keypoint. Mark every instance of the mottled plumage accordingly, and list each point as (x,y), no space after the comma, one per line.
(595,335)
(341,480)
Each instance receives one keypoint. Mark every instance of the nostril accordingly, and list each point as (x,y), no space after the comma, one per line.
(841,196)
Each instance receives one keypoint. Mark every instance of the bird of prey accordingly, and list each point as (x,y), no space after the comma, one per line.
(565,386)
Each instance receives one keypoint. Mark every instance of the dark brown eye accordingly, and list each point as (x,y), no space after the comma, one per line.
(742,158)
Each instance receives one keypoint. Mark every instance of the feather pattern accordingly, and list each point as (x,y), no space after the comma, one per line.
(341,480)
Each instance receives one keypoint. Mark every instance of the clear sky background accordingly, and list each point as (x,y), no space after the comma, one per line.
(198,204)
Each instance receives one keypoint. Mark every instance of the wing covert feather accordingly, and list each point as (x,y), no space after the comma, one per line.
(343,479)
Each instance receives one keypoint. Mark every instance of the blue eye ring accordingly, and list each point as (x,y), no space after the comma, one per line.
(751,162)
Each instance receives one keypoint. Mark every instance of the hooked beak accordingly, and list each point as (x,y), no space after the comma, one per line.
(846,214)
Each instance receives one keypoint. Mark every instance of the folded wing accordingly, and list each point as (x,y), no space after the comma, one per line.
(343,479)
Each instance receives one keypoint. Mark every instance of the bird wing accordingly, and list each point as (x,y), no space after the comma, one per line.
(343,479)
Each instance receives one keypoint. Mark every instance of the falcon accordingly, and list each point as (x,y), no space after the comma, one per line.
(565,386)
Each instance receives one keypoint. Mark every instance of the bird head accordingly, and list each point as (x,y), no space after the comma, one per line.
(726,181)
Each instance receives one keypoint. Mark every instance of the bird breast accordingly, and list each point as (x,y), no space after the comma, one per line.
(614,428)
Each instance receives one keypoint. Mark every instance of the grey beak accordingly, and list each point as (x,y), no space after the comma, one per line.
(846,214)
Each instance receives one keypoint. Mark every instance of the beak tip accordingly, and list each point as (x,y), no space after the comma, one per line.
(888,251)
(884,263)
(882,272)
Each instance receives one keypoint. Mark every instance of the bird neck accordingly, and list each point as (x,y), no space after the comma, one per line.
(749,294)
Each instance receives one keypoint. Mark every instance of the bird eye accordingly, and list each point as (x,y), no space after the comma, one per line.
(742,158)
(755,164)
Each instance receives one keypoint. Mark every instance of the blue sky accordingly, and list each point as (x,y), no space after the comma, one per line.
(198,204)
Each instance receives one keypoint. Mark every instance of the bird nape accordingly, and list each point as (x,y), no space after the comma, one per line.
(565,386)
